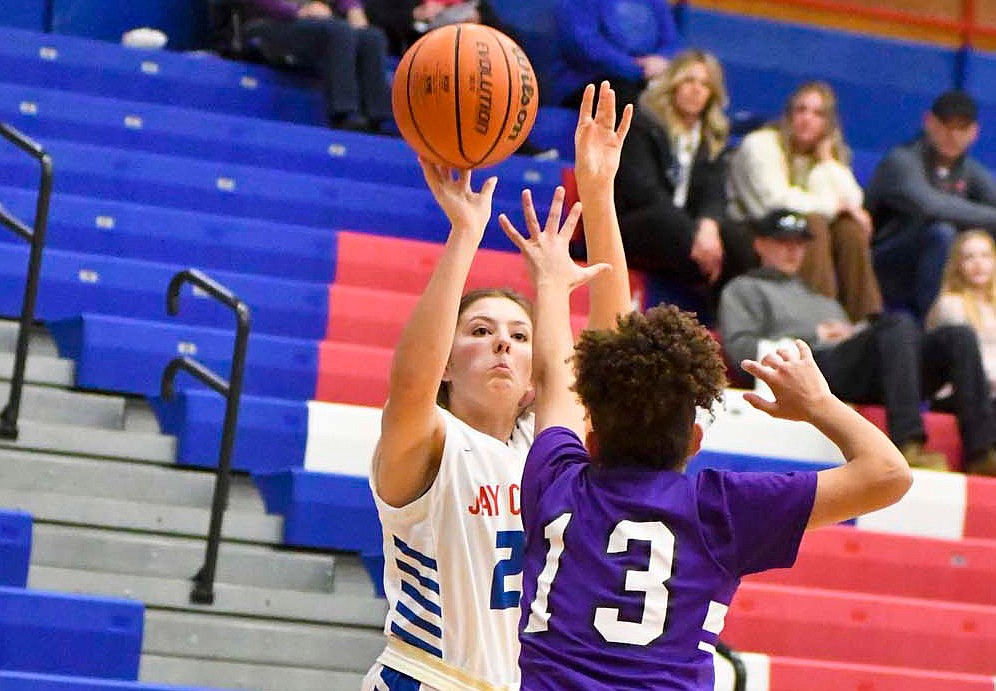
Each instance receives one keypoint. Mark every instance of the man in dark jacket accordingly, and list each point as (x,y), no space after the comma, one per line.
(921,195)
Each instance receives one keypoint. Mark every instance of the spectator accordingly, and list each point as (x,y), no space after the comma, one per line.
(670,188)
(884,360)
(335,41)
(968,294)
(802,163)
(627,42)
(921,195)
(405,21)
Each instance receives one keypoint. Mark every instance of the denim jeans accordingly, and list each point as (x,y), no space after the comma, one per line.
(909,263)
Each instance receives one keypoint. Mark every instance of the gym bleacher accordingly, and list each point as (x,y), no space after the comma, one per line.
(171,159)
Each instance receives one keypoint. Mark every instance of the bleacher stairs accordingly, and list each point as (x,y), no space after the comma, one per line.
(114,516)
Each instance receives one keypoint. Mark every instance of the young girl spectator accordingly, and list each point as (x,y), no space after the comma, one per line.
(630,564)
(968,294)
(670,188)
(455,432)
(801,163)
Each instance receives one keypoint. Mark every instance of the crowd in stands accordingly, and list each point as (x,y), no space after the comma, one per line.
(859,274)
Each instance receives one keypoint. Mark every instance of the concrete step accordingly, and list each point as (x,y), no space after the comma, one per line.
(234,675)
(245,601)
(40,369)
(161,556)
(141,516)
(91,441)
(256,642)
(53,405)
(111,479)
(39,341)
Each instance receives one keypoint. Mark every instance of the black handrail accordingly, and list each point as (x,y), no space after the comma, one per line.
(202,592)
(35,236)
(739,668)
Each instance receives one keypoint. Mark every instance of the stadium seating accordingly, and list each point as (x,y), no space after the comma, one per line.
(15,548)
(69,634)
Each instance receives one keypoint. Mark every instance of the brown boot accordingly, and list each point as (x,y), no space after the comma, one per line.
(983,464)
(917,457)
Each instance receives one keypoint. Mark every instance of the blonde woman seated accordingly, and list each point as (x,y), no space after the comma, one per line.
(968,294)
(801,163)
(670,193)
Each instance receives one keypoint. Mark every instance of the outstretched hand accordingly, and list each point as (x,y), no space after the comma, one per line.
(546,249)
(597,140)
(467,210)
(794,378)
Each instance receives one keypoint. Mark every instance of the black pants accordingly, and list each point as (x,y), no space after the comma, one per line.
(658,239)
(350,62)
(891,363)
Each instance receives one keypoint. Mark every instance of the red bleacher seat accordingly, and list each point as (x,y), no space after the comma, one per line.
(942,432)
(844,558)
(865,629)
(793,674)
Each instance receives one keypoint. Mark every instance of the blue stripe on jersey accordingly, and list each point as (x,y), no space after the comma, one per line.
(426,626)
(396,681)
(422,559)
(415,640)
(430,606)
(423,580)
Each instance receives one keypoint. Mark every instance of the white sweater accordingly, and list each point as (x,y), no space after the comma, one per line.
(760,181)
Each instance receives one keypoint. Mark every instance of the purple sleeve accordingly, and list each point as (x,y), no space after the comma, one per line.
(553,449)
(341,7)
(274,9)
(754,521)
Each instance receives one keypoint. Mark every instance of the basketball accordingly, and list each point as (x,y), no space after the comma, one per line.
(464,96)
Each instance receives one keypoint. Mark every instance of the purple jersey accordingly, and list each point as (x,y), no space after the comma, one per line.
(629,572)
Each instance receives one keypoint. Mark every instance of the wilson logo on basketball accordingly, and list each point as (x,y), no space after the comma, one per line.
(485,89)
(528,92)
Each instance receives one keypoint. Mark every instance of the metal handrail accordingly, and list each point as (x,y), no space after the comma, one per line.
(739,668)
(202,592)
(36,237)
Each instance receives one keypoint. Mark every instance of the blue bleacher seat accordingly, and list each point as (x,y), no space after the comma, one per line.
(70,634)
(765,60)
(129,355)
(210,241)
(101,68)
(27,681)
(979,76)
(15,547)
(247,192)
(272,433)
(73,282)
(51,113)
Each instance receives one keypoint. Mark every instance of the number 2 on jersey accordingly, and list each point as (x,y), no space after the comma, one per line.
(501,596)
(652,581)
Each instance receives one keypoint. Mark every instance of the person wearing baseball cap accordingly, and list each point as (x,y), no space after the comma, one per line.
(882,360)
(921,195)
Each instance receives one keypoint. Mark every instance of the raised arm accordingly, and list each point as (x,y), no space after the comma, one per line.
(597,146)
(412,430)
(875,475)
(554,275)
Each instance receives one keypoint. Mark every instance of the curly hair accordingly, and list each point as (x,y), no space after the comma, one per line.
(642,383)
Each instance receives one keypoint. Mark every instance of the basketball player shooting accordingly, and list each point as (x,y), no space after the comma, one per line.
(630,564)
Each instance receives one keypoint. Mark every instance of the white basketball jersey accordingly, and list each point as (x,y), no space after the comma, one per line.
(453,565)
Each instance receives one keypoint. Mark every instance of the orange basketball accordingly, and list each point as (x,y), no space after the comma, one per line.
(465,96)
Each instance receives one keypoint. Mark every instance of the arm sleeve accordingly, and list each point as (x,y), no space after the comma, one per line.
(981,186)
(584,45)
(669,41)
(741,320)
(832,180)
(754,521)
(553,449)
(638,184)
(760,180)
(713,202)
(341,7)
(901,183)
(949,309)
(275,9)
